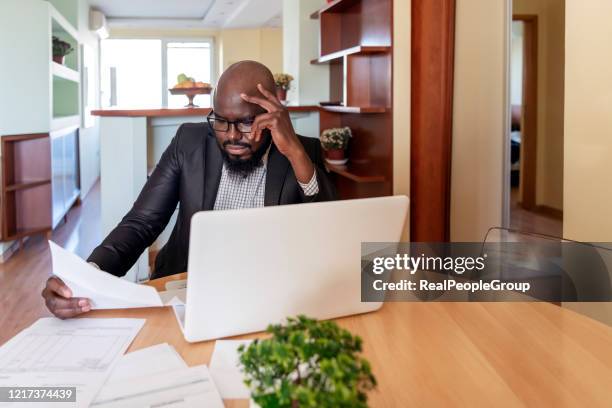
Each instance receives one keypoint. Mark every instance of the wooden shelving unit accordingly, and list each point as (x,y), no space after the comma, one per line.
(40,172)
(359,49)
(26,185)
(354,109)
(356,43)
(334,7)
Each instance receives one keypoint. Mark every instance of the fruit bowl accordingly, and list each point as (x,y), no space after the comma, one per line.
(191,93)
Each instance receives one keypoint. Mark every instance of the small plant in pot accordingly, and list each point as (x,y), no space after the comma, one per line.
(334,142)
(283,83)
(60,50)
(307,363)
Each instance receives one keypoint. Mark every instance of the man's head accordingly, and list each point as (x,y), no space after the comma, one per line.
(240,153)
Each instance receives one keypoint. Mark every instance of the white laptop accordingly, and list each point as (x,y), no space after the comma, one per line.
(250,268)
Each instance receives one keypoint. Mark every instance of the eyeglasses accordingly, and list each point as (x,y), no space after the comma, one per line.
(223,125)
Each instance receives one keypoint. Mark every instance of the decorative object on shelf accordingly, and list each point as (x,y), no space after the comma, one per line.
(190,87)
(60,50)
(334,142)
(307,363)
(283,84)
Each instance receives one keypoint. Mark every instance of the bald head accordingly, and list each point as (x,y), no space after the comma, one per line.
(241,77)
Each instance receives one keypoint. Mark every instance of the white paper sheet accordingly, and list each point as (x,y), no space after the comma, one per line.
(148,361)
(177,284)
(68,353)
(103,289)
(225,369)
(182,388)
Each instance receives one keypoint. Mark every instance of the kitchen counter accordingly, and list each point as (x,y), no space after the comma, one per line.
(165,112)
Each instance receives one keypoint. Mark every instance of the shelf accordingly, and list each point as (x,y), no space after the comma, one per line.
(334,7)
(355,173)
(30,184)
(354,109)
(64,72)
(62,122)
(359,49)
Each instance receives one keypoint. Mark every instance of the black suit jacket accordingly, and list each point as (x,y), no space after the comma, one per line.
(188,174)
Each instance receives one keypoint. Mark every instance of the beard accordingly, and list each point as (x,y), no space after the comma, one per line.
(244,167)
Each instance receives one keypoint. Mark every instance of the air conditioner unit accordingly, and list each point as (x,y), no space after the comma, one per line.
(97,23)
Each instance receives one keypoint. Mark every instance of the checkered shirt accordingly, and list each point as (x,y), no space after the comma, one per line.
(238,191)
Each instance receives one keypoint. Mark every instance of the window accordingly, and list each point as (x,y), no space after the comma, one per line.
(138,73)
(131,73)
(194,60)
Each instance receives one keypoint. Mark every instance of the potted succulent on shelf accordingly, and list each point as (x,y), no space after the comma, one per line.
(334,142)
(60,50)
(283,83)
(307,363)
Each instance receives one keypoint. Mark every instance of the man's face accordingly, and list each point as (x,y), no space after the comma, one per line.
(240,153)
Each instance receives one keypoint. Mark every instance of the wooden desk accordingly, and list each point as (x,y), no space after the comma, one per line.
(453,354)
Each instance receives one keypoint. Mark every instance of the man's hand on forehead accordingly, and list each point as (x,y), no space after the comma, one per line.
(277,120)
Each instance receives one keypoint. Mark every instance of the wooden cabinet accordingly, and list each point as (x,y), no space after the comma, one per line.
(356,42)
(40,181)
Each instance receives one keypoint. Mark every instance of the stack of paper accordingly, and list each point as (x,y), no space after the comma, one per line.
(104,290)
(157,376)
(71,353)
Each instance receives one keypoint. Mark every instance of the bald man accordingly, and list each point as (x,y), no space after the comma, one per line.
(246,155)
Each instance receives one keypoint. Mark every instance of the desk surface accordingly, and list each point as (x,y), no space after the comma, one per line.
(453,354)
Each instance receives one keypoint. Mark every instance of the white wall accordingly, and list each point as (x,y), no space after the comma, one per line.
(587,193)
(301,44)
(89,138)
(401,97)
(479,117)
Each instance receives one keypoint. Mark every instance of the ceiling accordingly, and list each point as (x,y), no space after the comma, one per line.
(191,13)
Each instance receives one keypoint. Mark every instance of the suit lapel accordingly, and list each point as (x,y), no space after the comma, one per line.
(275,176)
(213,163)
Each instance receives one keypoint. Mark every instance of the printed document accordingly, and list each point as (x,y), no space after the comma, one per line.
(66,353)
(151,360)
(181,388)
(104,290)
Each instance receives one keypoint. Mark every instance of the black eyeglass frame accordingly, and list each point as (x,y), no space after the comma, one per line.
(211,117)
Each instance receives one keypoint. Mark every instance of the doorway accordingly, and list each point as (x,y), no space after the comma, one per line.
(537,72)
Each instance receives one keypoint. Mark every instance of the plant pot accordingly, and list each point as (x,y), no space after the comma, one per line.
(281,94)
(335,154)
(59,59)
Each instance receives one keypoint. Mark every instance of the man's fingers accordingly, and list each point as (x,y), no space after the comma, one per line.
(269,95)
(55,302)
(264,103)
(66,313)
(56,285)
(260,123)
(267,123)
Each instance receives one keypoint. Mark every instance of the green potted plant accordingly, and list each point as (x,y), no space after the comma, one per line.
(60,50)
(283,83)
(307,363)
(334,142)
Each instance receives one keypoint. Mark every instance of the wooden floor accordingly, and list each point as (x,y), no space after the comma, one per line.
(530,221)
(23,276)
